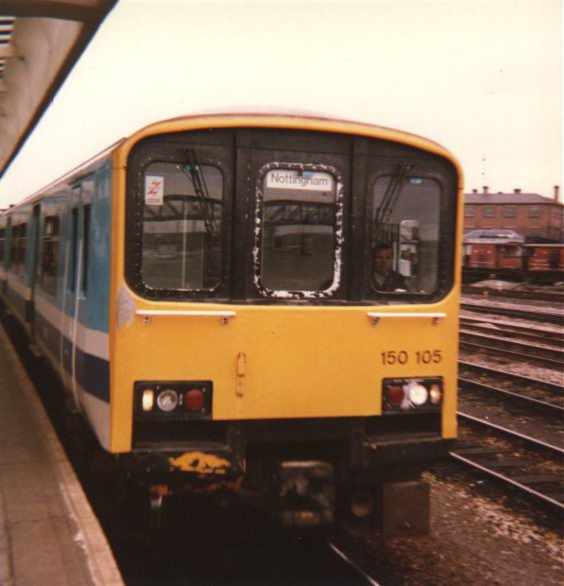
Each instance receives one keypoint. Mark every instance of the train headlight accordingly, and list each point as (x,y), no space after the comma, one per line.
(435,394)
(167,400)
(405,395)
(148,400)
(173,400)
(417,393)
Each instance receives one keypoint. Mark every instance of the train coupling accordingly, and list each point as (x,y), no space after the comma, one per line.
(306,494)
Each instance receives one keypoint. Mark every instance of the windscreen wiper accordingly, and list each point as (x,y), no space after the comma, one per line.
(194,172)
(392,192)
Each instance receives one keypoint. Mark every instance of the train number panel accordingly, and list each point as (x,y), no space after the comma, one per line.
(258,303)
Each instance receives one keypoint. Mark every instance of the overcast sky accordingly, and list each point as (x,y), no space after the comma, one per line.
(481,77)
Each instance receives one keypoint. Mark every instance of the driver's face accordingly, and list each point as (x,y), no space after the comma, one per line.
(383,260)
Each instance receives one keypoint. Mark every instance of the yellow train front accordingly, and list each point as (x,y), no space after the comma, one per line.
(263,305)
(285,298)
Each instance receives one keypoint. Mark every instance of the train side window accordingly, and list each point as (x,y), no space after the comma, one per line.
(14,248)
(71,284)
(404,245)
(50,255)
(18,248)
(469,212)
(297,235)
(86,218)
(2,245)
(182,226)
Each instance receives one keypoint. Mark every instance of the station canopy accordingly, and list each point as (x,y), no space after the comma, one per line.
(40,42)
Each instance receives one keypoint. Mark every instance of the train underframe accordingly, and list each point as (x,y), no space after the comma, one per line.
(307,474)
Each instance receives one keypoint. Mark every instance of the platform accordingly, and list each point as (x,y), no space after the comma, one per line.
(48,531)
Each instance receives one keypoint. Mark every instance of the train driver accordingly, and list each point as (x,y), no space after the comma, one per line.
(383,277)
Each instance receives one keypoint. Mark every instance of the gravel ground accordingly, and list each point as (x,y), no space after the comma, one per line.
(474,541)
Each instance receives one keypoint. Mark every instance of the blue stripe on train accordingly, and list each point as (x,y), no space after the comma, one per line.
(92,372)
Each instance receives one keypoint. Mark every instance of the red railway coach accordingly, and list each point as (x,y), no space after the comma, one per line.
(492,253)
(545,261)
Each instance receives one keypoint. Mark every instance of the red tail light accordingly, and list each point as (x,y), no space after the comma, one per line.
(194,400)
(394,394)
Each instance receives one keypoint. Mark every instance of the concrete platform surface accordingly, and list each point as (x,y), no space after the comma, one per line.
(48,531)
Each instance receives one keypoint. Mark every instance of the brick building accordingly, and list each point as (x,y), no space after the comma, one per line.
(535,217)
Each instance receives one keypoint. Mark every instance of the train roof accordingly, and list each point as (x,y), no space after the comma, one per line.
(508,198)
(259,118)
(493,237)
(290,119)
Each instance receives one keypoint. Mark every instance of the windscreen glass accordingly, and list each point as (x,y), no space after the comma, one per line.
(404,235)
(182,221)
(298,233)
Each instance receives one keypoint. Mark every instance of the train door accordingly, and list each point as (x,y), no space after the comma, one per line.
(296,206)
(72,289)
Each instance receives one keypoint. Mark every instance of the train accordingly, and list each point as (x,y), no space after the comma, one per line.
(263,306)
(505,254)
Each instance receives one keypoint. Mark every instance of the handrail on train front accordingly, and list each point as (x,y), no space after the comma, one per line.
(225,316)
(435,317)
(147,314)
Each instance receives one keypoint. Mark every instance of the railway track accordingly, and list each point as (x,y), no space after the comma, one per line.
(531,390)
(348,560)
(512,330)
(544,425)
(544,355)
(530,294)
(521,467)
(504,438)
(553,317)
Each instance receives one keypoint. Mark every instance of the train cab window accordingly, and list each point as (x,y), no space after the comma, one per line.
(297,230)
(49,255)
(404,246)
(182,223)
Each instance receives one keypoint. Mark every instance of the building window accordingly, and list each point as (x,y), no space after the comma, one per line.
(534,212)
(469,212)
(509,211)
(489,212)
